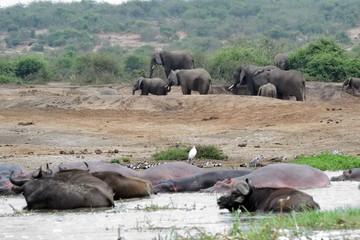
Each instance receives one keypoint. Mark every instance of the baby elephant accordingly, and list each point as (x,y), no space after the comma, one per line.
(352,83)
(246,197)
(267,90)
(155,86)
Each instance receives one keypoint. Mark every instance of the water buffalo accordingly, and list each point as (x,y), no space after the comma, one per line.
(65,190)
(5,172)
(281,175)
(171,170)
(198,181)
(125,187)
(349,175)
(246,197)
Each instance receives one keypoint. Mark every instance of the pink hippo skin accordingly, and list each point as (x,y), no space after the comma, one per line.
(282,175)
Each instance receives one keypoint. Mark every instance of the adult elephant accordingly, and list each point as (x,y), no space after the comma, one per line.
(155,86)
(197,79)
(282,61)
(244,75)
(267,90)
(171,60)
(352,83)
(288,83)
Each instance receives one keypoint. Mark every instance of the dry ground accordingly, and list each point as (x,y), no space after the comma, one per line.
(60,123)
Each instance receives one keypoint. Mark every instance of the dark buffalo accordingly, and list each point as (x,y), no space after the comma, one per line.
(349,175)
(5,172)
(281,175)
(65,190)
(198,181)
(125,187)
(248,198)
(171,170)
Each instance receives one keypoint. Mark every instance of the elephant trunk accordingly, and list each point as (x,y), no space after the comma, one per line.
(151,70)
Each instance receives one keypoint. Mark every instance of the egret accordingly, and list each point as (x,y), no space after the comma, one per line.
(192,154)
(255,161)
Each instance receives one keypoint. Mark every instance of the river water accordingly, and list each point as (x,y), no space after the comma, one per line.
(157,217)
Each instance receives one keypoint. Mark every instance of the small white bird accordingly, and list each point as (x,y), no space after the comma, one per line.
(255,161)
(192,154)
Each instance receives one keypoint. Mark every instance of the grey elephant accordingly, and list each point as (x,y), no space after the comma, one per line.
(267,90)
(244,75)
(156,86)
(282,61)
(197,79)
(352,83)
(171,60)
(288,83)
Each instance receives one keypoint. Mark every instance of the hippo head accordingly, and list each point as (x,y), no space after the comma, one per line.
(166,186)
(345,176)
(233,200)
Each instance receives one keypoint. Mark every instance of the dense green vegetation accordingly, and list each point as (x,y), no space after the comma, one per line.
(220,34)
(181,153)
(329,161)
(288,226)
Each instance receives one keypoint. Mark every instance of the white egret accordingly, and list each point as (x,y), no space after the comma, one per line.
(192,154)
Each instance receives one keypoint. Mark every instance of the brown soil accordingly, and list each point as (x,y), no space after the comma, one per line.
(60,123)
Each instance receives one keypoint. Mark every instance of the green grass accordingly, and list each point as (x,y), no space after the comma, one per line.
(181,153)
(119,160)
(290,225)
(328,161)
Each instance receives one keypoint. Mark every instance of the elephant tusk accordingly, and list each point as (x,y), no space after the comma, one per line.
(231,87)
(152,68)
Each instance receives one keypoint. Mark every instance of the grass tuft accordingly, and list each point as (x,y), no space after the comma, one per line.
(329,161)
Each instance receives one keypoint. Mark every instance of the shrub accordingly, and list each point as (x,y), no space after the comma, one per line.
(32,68)
(181,153)
(329,161)
(324,60)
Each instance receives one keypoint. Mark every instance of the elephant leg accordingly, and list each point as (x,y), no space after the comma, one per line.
(186,91)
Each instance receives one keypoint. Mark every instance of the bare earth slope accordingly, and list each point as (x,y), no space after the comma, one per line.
(58,123)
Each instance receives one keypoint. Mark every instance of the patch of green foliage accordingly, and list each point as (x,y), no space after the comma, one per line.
(324,60)
(329,161)
(119,160)
(297,225)
(181,153)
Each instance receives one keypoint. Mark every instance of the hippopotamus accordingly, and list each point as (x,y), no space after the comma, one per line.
(198,181)
(5,172)
(125,187)
(280,175)
(97,167)
(245,196)
(349,175)
(66,189)
(171,170)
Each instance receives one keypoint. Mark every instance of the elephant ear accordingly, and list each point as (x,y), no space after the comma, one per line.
(158,58)
(261,77)
(173,80)
(140,82)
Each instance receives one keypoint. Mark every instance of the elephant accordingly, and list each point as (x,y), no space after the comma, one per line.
(288,83)
(171,60)
(353,83)
(156,86)
(282,61)
(244,75)
(267,90)
(197,79)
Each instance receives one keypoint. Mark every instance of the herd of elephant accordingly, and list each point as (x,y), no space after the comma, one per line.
(276,81)
(273,188)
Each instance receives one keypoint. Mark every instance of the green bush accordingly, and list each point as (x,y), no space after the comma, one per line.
(223,62)
(32,69)
(329,161)
(324,60)
(181,153)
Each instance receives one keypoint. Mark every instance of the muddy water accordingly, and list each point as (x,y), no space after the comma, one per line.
(156,217)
